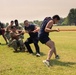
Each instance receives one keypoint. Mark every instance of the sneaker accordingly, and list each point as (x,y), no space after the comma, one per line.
(57,57)
(47,63)
(38,55)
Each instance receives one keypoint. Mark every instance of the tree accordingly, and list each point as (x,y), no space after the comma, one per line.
(37,22)
(75,17)
(65,22)
(61,21)
(72,16)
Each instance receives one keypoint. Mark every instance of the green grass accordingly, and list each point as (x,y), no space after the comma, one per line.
(23,63)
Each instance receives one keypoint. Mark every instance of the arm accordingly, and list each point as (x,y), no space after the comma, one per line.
(21,31)
(36,29)
(15,34)
(50,24)
(2,28)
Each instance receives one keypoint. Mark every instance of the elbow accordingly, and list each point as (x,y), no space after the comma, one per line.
(46,30)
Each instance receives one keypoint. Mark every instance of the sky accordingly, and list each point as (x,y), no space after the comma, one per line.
(33,9)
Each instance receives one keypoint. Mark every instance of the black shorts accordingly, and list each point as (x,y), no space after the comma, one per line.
(44,39)
(32,40)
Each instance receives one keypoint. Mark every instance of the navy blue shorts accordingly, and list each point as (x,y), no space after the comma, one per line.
(44,39)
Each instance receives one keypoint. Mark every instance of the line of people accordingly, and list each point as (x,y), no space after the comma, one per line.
(15,35)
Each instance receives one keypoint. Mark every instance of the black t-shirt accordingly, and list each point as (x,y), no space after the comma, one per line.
(30,28)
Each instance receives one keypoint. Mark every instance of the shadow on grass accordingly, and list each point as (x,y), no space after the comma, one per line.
(2,44)
(18,51)
(67,64)
(42,54)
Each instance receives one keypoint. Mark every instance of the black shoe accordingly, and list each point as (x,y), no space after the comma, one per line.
(57,57)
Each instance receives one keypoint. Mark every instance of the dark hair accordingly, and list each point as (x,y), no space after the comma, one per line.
(25,21)
(56,16)
(11,21)
(16,20)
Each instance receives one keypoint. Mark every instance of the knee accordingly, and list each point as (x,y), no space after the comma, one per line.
(53,44)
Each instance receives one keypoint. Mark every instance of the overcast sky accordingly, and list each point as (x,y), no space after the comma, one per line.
(33,9)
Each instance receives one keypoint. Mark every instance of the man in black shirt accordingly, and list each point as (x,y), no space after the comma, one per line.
(32,30)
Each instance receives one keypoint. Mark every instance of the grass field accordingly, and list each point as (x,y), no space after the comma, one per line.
(23,63)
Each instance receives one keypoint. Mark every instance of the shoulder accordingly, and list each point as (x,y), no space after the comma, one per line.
(32,25)
(20,25)
(50,22)
(8,25)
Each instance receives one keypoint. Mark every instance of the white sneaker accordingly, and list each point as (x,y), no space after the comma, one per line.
(47,63)
(38,55)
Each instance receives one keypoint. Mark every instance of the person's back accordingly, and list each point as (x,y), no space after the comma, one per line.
(43,25)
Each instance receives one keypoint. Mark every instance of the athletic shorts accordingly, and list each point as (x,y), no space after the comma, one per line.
(44,39)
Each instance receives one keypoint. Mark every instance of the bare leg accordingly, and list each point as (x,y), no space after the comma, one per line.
(55,51)
(51,45)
